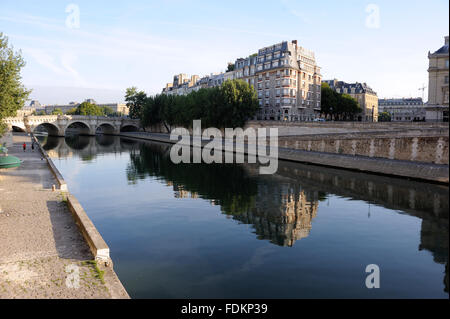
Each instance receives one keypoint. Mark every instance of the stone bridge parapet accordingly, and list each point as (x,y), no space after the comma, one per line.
(57,125)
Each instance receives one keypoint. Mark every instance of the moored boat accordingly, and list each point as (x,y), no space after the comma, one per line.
(9,161)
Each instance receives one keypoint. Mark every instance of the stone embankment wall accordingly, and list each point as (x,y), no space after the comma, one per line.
(420,148)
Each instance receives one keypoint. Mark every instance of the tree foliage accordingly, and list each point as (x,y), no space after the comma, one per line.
(384,117)
(136,102)
(229,105)
(230,67)
(338,106)
(12,92)
(90,109)
(57,111)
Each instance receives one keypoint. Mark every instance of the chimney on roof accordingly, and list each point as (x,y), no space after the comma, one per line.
(446,40)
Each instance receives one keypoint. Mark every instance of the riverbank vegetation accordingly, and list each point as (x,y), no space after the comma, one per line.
(230,105)
(13,93)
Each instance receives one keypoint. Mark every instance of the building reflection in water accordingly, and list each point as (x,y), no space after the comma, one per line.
(281,207)
(282,213)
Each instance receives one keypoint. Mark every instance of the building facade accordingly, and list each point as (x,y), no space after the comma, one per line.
(403,110)
(288,83)
(285,76)
(438,95)
(361,92)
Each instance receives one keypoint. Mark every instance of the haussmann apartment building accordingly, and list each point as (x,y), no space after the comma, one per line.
(285,76)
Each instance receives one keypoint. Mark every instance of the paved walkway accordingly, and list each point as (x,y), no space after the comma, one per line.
(42,252)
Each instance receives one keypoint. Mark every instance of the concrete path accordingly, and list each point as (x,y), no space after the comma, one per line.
(42,252)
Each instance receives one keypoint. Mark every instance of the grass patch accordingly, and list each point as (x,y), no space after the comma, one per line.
(98,273)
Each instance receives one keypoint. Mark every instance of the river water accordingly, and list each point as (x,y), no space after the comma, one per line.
(224,231)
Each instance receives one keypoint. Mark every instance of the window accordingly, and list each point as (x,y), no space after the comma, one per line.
(446,79)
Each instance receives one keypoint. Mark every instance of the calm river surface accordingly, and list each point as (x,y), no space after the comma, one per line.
(223,231)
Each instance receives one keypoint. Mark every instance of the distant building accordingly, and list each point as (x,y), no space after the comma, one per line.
(120,108)
(438,96)
(366,97)
(34,107)
(403,110)
(65,108)
(285,76)
(35,104)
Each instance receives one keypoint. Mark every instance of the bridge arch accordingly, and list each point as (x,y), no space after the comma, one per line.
(78,127)
(106,128)
(52,129)
(129,128)
(18,129)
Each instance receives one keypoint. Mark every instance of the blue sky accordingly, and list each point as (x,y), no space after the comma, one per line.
(144,43)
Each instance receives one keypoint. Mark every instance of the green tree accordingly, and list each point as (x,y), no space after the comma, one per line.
(12,92)
(347,107)
(328,100)
(89,109)
(384,117)
(230,67)
(107,111)
(136,102)
(230,105)
(57,111)
(240,103)
(338,106)
(72,111)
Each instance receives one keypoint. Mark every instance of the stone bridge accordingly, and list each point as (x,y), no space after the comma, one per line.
(57,125)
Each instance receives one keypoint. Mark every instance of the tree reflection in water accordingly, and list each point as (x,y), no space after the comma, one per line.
(280,207)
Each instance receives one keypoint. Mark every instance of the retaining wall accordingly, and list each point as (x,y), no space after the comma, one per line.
(97,245)
(426,149)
